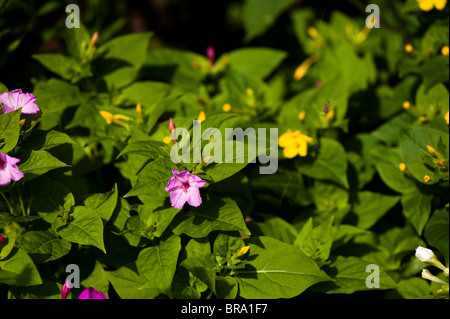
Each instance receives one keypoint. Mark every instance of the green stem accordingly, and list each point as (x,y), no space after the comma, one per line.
(22,206)
(11,207)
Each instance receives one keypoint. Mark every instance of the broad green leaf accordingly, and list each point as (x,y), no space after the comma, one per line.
(226,243)
(9,130)
(259,15)
(158,264)
(436,232)
(276,270)
(316,242)
(124,57)
(277,228)
(129,284)
(329,164)
(226,287)
(58,64)
(86,228)
(103,203)
(351,275)
(213,214)
(19,270)
(44,246)
(387,161)
(153,178)
(177,67)
(370,207)
(50,198)
(259,62)
(417,208)
(203,267)
(39,163)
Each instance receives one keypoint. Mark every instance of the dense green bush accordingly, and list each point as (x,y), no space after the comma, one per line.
(363,150)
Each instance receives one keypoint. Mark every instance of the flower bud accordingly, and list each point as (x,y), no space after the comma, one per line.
(65,290)
(243,251)
(426,274)
(211,54)
(426,255)
(446,272)
(2,239)
(432,151)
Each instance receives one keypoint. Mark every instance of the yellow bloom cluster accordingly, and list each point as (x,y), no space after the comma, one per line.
(294,143)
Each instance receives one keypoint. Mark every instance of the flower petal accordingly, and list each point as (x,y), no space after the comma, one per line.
(178,198)
(193,197)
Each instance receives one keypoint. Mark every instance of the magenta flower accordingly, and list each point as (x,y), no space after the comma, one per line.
(65,290)
(211,54)
(15,99)
(2,239)
(184,187)
(91,293)
(9,170)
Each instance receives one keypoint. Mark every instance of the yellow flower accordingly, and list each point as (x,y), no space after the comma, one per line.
(301,115)
(406,105)
(409,48)
(402,167)
(330,115)
(302,69)
(427,178)
(201,116)
(243,251)
(167,140)
(294,143)
(445,50)
(139,110)
(446,117)
(226,107)
(312,32)
(432,151)
(111,118)
(427,5)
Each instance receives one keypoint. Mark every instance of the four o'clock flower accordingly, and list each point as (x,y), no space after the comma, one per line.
(8,169)
(15,99)
(91,293)
(2,239)
(184,187)
(65,290)
(211,55)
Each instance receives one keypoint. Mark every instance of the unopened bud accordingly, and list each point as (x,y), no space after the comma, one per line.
(65,290)
(2,239)
(243,251)
(432,151)
(211,54)
(426,255)
(426,274)
(93,40)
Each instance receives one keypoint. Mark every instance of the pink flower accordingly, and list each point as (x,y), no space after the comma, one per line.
(65,290)
(91,293)
(2,239)
(15,99)
(184,187)
(9,170)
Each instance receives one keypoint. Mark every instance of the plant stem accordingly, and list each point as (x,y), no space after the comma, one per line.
(11,207)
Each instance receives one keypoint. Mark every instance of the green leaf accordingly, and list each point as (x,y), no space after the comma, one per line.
(259,62)
(158,264)
(329,164)
(39,163)
(350,275)
(86,228)
(153,178)
(19,270)
(259,15)
(131,49)
(203,267)
(214,214)
(417,208)
(150,149)
(277,270)
(103,204)
(129,284)
(316,242)
(436,232)
(44,246)
(370,207)
(9,130)
(58,64)
(50,198)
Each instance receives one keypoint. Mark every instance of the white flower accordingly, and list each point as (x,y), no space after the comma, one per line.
(426,274)
(426,255)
